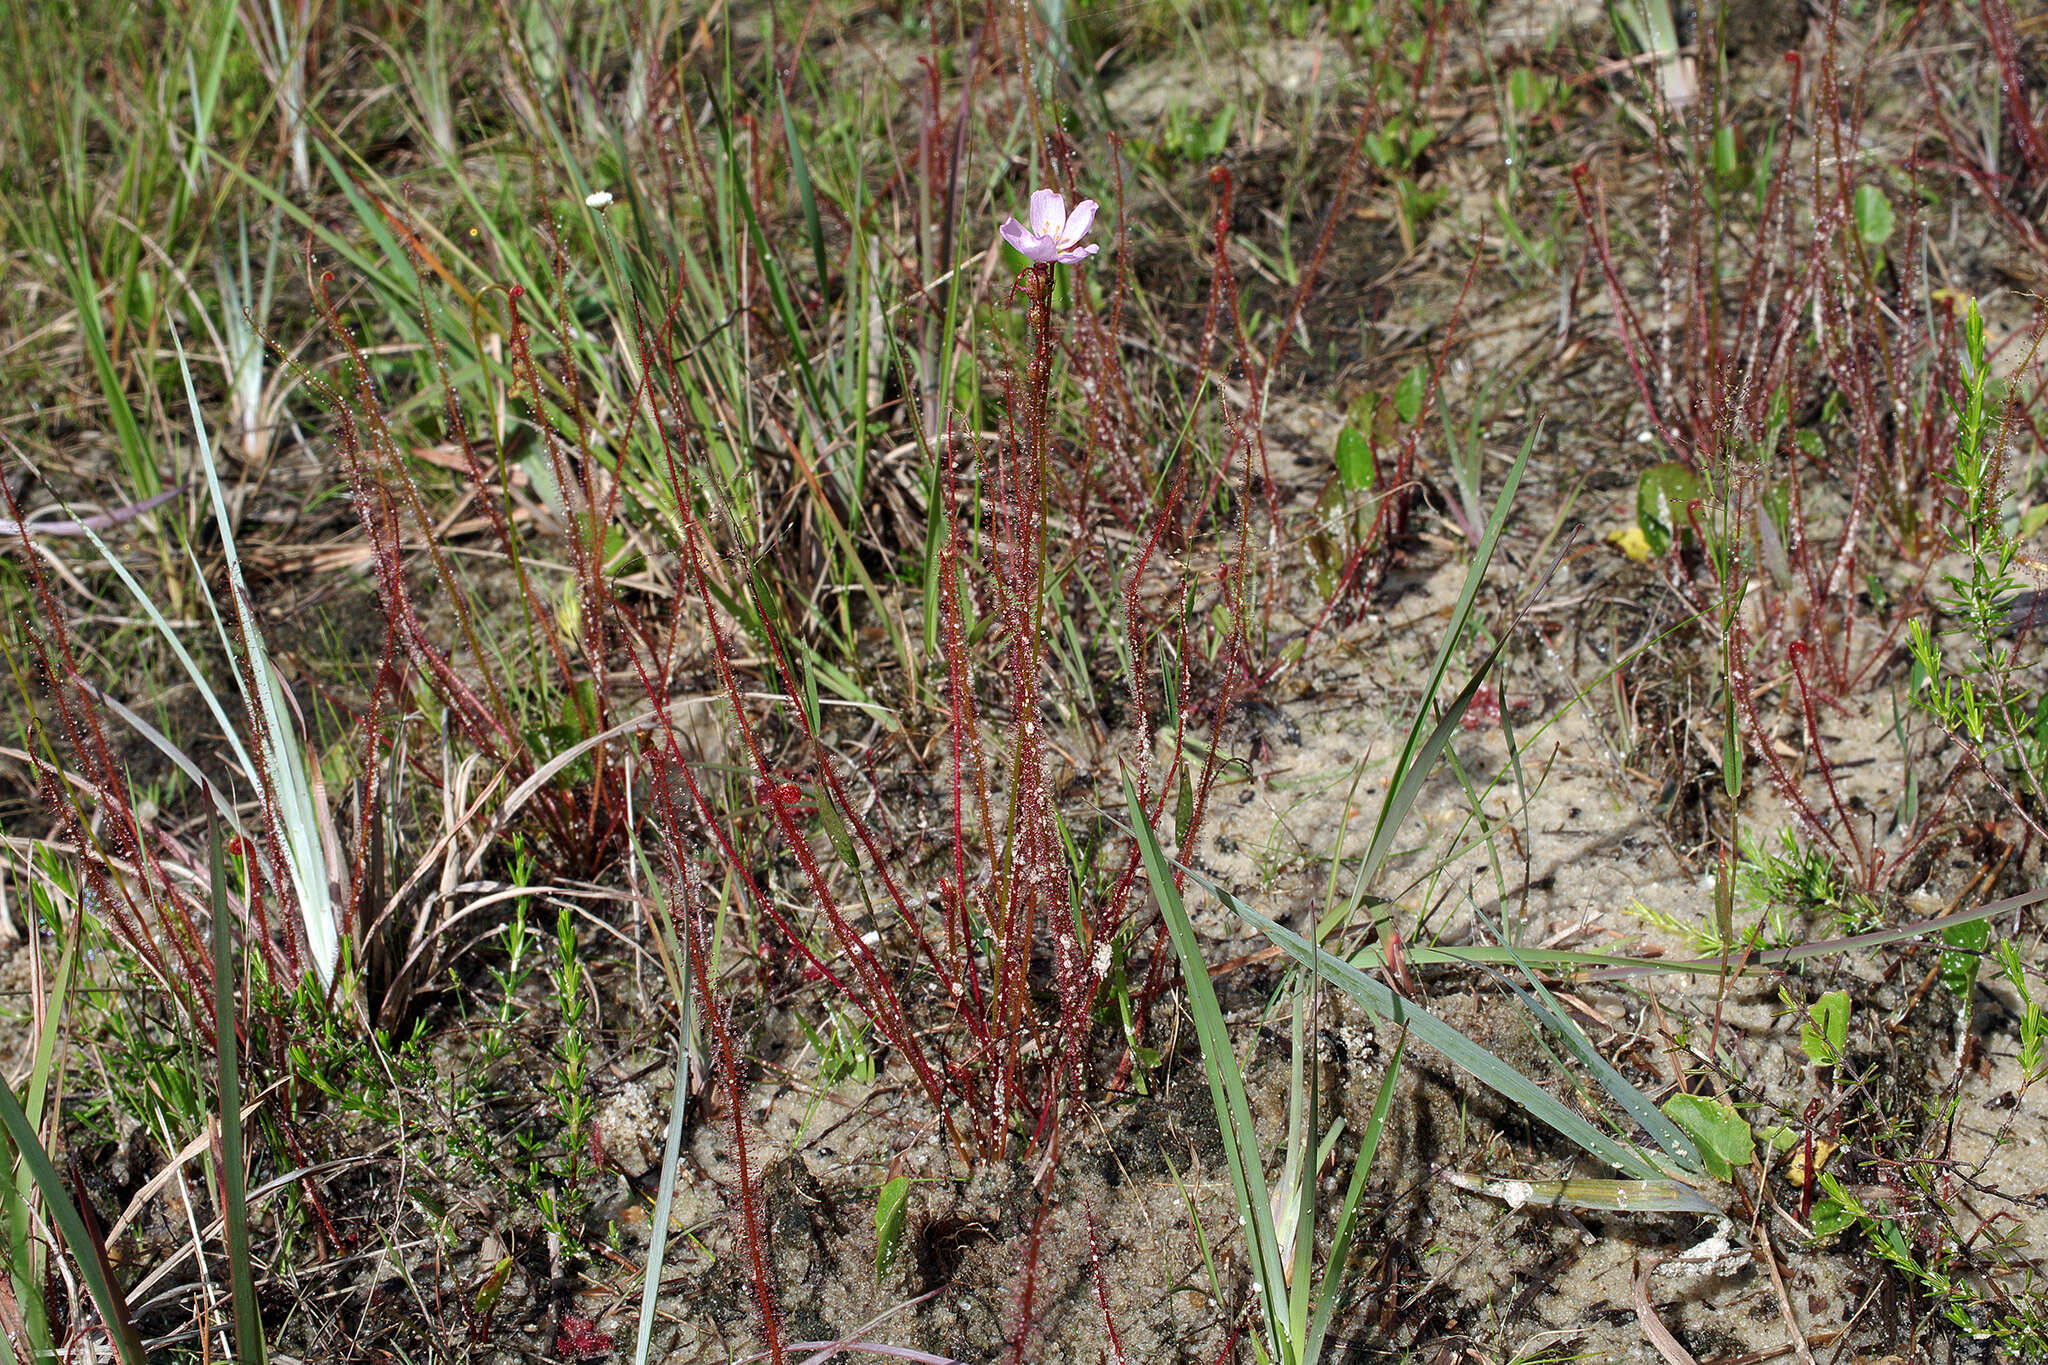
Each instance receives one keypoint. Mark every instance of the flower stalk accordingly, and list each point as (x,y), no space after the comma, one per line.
(1029,880)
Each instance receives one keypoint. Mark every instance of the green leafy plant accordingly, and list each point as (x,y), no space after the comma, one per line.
(1970,680)
(2033,1020)
(1295,1306)
(1924,1249)
(568,1085)
(1664,1174)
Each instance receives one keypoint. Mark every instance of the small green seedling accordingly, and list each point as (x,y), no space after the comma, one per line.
(1397,147)
(2033,1022)
(842,1046)
(1872,210)
(1533,93)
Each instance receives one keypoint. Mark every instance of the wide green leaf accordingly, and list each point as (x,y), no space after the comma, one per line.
(1726,1140)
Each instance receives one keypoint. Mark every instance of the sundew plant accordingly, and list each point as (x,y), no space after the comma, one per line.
(1181,680)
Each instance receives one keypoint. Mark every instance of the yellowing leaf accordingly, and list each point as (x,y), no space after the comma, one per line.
(1795,1164)
(1631,542)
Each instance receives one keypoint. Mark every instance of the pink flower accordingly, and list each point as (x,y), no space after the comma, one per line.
(1054,234)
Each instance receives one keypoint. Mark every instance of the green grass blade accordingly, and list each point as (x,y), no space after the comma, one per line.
(772,275)
(136,463)
(800,178)
(1426,742)
(182,761)
(1302,1152)
(1667,1135)
(25,1252)
(1560,960)
(228,731)
(249,1348)
(1483,1066)
(1226,1082)
(1332,1291)
(1800,952)
(296,817)
(1615,1196)
(92,1268)
(657,1232)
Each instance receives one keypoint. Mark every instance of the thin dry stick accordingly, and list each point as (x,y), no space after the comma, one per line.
(1769,1257)
(1652,1325)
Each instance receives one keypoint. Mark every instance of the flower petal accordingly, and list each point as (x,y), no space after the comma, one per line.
(1048,213)
(1038,250)
(1079,254)
(1078,223)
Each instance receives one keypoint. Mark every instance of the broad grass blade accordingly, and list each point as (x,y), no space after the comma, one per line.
(1226,1082)
(1483,1066)
(92,1267)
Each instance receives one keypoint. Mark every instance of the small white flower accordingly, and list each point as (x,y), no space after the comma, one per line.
(600,200)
